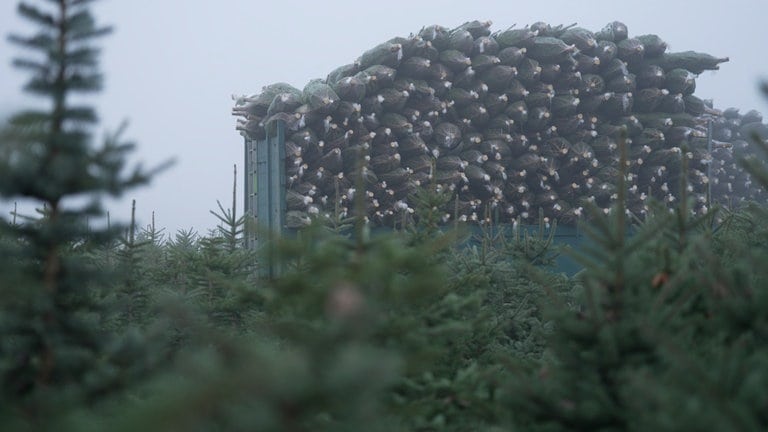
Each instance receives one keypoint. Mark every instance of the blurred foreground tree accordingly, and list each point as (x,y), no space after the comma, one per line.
(671,330)
(52,349)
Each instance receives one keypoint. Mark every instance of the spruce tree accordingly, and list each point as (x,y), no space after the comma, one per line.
(52,349)
(670,331)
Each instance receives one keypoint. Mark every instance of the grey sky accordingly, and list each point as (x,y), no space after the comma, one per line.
(172,65)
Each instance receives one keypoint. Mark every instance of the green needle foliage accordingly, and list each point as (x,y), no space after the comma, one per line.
(52,349)
(670,330)
(665,329)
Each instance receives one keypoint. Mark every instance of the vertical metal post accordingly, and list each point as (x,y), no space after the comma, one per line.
(277,178)
(249,206)
(709,165)
(265,194)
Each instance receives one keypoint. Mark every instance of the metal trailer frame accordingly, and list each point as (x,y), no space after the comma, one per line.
(264,190)
(265,206)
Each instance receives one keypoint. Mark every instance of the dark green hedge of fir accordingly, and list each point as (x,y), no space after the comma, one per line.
(127,329)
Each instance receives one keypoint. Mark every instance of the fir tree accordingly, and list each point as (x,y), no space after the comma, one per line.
(231,227)
(670,331)
(51,344)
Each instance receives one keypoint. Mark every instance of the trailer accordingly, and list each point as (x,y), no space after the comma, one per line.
(265,208)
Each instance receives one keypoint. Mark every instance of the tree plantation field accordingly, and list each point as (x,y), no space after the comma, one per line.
(398,332)
(424,328)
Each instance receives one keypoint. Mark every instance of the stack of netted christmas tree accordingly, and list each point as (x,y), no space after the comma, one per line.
(511,122)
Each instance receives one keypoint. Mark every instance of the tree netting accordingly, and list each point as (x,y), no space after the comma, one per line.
(515,122)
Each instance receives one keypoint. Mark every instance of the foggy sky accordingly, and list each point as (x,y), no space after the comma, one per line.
(172,65)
